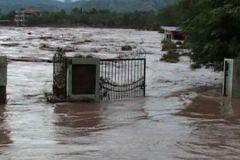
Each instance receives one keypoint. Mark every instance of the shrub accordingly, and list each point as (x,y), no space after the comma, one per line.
(185,45)
(178,43)
(171,57)
(217,66)
(186,53)
(195,66)
(163,41)
(168,45)
(161,30)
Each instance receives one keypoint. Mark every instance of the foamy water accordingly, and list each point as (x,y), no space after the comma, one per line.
(141,128)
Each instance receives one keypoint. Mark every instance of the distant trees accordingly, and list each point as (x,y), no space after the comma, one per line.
(9,15)
(151,20)
(170,15)
(99,18)
(211,27)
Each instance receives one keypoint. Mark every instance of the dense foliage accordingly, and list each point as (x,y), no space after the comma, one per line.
(126,5)
(213,29)
(8,16)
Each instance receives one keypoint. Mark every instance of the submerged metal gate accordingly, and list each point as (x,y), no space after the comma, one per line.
(122,78)
(119,78)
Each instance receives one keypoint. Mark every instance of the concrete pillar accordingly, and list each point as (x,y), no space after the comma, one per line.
(3,79)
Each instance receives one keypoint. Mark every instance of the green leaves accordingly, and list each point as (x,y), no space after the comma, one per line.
(214,32)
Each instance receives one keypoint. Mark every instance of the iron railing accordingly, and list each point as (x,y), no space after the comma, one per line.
(119,78)
(122,78)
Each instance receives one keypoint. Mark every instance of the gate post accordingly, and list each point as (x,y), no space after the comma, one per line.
(83,79)
(3,79)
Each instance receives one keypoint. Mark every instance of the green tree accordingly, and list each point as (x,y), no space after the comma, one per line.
(170,15)
(213,29)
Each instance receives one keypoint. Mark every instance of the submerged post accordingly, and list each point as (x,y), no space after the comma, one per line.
(3,79)
(231,83)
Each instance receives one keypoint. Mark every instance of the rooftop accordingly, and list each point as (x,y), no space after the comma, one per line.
(171,28)
(27,11)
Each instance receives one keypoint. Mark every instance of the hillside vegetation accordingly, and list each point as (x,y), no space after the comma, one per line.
(126,5)
(54,5)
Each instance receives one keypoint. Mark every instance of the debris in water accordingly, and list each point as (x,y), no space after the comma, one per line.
(126,48)
(10,44)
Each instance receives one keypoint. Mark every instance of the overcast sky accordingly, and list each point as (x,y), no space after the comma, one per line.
(65,0)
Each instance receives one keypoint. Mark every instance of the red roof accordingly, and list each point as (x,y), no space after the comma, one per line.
(27,11)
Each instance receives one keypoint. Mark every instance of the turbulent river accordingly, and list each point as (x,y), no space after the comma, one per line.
(132,129)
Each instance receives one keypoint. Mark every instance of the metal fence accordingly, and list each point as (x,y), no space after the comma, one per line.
(119,78)
(122,78)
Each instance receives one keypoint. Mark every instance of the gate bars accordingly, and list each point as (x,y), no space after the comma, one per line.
(122,78)
(119,78)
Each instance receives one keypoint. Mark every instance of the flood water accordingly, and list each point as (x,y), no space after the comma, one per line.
(159,126)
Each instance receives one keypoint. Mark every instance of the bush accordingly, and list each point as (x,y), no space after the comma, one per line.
(217,66)
(195,66)
(185,45)
(186,53)
(163,41)
(178,43)
(161,30)
(171,57)
(168,45)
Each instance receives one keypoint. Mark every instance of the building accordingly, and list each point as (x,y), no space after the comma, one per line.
(172,33)
(22,16)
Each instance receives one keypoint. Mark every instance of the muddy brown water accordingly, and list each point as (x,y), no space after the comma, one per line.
(154,127)
(151,128)
(120,130)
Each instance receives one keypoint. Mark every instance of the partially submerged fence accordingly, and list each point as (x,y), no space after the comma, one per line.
(122,78)
(119,78)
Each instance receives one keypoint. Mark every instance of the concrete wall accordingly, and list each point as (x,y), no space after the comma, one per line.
(231,84)
(82,62)
(3,79)
(236,79)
